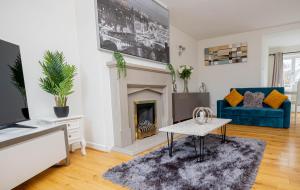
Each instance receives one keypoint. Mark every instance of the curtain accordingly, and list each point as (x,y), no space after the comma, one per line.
(277,78)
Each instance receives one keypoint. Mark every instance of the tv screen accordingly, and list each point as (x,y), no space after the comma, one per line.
(13,102)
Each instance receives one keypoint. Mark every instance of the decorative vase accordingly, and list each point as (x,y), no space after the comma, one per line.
(61,111)
(185,86)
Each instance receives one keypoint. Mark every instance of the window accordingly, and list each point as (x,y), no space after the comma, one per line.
(291,71)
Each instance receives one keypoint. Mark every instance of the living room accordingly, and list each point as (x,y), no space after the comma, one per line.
(129,59)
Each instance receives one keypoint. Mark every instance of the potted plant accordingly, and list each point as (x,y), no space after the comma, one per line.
(173,74)
(121,64)
(58,80)
(17,79)
(185,72)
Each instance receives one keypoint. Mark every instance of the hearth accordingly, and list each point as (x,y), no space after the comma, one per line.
(145,118)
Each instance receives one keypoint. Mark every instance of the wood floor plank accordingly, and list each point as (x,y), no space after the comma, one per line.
(279,169)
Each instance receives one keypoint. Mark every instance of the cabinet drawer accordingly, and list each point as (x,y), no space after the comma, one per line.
(73,135)
(73,125)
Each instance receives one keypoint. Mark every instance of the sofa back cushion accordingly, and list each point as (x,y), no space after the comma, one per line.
(234,98)
(265,90)
(275,99)
(253,100)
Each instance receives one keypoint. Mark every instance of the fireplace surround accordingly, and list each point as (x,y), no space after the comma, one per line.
(141,84)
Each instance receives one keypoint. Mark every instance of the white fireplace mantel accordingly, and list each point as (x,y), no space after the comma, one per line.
(139,67)
(139,78)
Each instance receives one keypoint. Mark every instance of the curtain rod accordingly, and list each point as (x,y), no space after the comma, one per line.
(287,52)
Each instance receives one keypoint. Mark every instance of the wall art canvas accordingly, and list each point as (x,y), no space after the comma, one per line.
(135,27)
(226,54)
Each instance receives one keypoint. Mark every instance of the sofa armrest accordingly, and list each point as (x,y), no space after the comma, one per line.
(286,106)
(221,104)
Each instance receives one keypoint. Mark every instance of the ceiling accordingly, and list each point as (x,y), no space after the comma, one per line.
(211,18)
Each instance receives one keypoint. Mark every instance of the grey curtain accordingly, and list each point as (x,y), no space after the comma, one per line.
(277,78)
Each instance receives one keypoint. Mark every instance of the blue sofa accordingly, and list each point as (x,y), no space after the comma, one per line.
(266,116)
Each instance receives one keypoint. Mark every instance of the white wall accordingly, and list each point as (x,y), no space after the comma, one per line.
(189,57)
(254,73)
(70,26)
(37,26)
(220,78)
(284,49)
(95,73)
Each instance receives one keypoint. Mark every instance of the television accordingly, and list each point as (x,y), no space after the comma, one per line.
(13,101)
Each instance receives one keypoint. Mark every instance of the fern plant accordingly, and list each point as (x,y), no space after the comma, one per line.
(17,78)
(172,71)
(121,64)
(173,74)
(58,77)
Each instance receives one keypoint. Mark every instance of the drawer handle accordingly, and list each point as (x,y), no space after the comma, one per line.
(70,136)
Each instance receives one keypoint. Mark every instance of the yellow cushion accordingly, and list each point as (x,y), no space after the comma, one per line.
(275,99)
(234,98)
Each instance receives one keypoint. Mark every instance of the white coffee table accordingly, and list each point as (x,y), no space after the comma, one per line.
(191,127)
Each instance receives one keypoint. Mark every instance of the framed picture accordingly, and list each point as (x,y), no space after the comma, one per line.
(137,28)
(226,54)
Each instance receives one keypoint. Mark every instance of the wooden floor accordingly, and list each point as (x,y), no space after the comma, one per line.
(279,169)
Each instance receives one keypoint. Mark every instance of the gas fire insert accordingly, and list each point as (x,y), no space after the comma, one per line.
(145,118)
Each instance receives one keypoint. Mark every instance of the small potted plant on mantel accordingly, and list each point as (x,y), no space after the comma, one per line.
(58,80)
(173,74)
(121,64)
(185,72)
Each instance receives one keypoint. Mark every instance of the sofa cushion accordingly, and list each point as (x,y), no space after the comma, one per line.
(234,98)
(275,99)
(253,100)
(256,112)
(265,90)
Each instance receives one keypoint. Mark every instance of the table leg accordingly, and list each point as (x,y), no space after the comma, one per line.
(168,140)
(195,145)
(170,144)
(223,133)
(201,149)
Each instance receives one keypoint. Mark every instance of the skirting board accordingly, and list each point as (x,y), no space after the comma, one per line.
(142,145)
(99,147)
(131,150)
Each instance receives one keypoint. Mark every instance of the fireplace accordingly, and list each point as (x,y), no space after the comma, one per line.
(145,118)
(141,83)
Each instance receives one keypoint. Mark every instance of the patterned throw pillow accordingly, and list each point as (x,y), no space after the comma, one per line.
(253,100)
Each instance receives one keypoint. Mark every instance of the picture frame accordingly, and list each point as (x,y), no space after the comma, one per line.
(134,28)
(226,54)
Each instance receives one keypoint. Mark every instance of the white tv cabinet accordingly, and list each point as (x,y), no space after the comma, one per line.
(75,130)
(25,153)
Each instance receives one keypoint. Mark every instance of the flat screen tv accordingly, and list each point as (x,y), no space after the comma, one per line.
(13,101)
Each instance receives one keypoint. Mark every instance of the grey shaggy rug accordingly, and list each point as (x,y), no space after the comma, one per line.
(232,165)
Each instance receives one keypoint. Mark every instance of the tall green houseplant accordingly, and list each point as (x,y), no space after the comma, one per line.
(58,78)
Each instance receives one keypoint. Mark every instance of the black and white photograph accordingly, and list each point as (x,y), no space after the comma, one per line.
(134,27)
